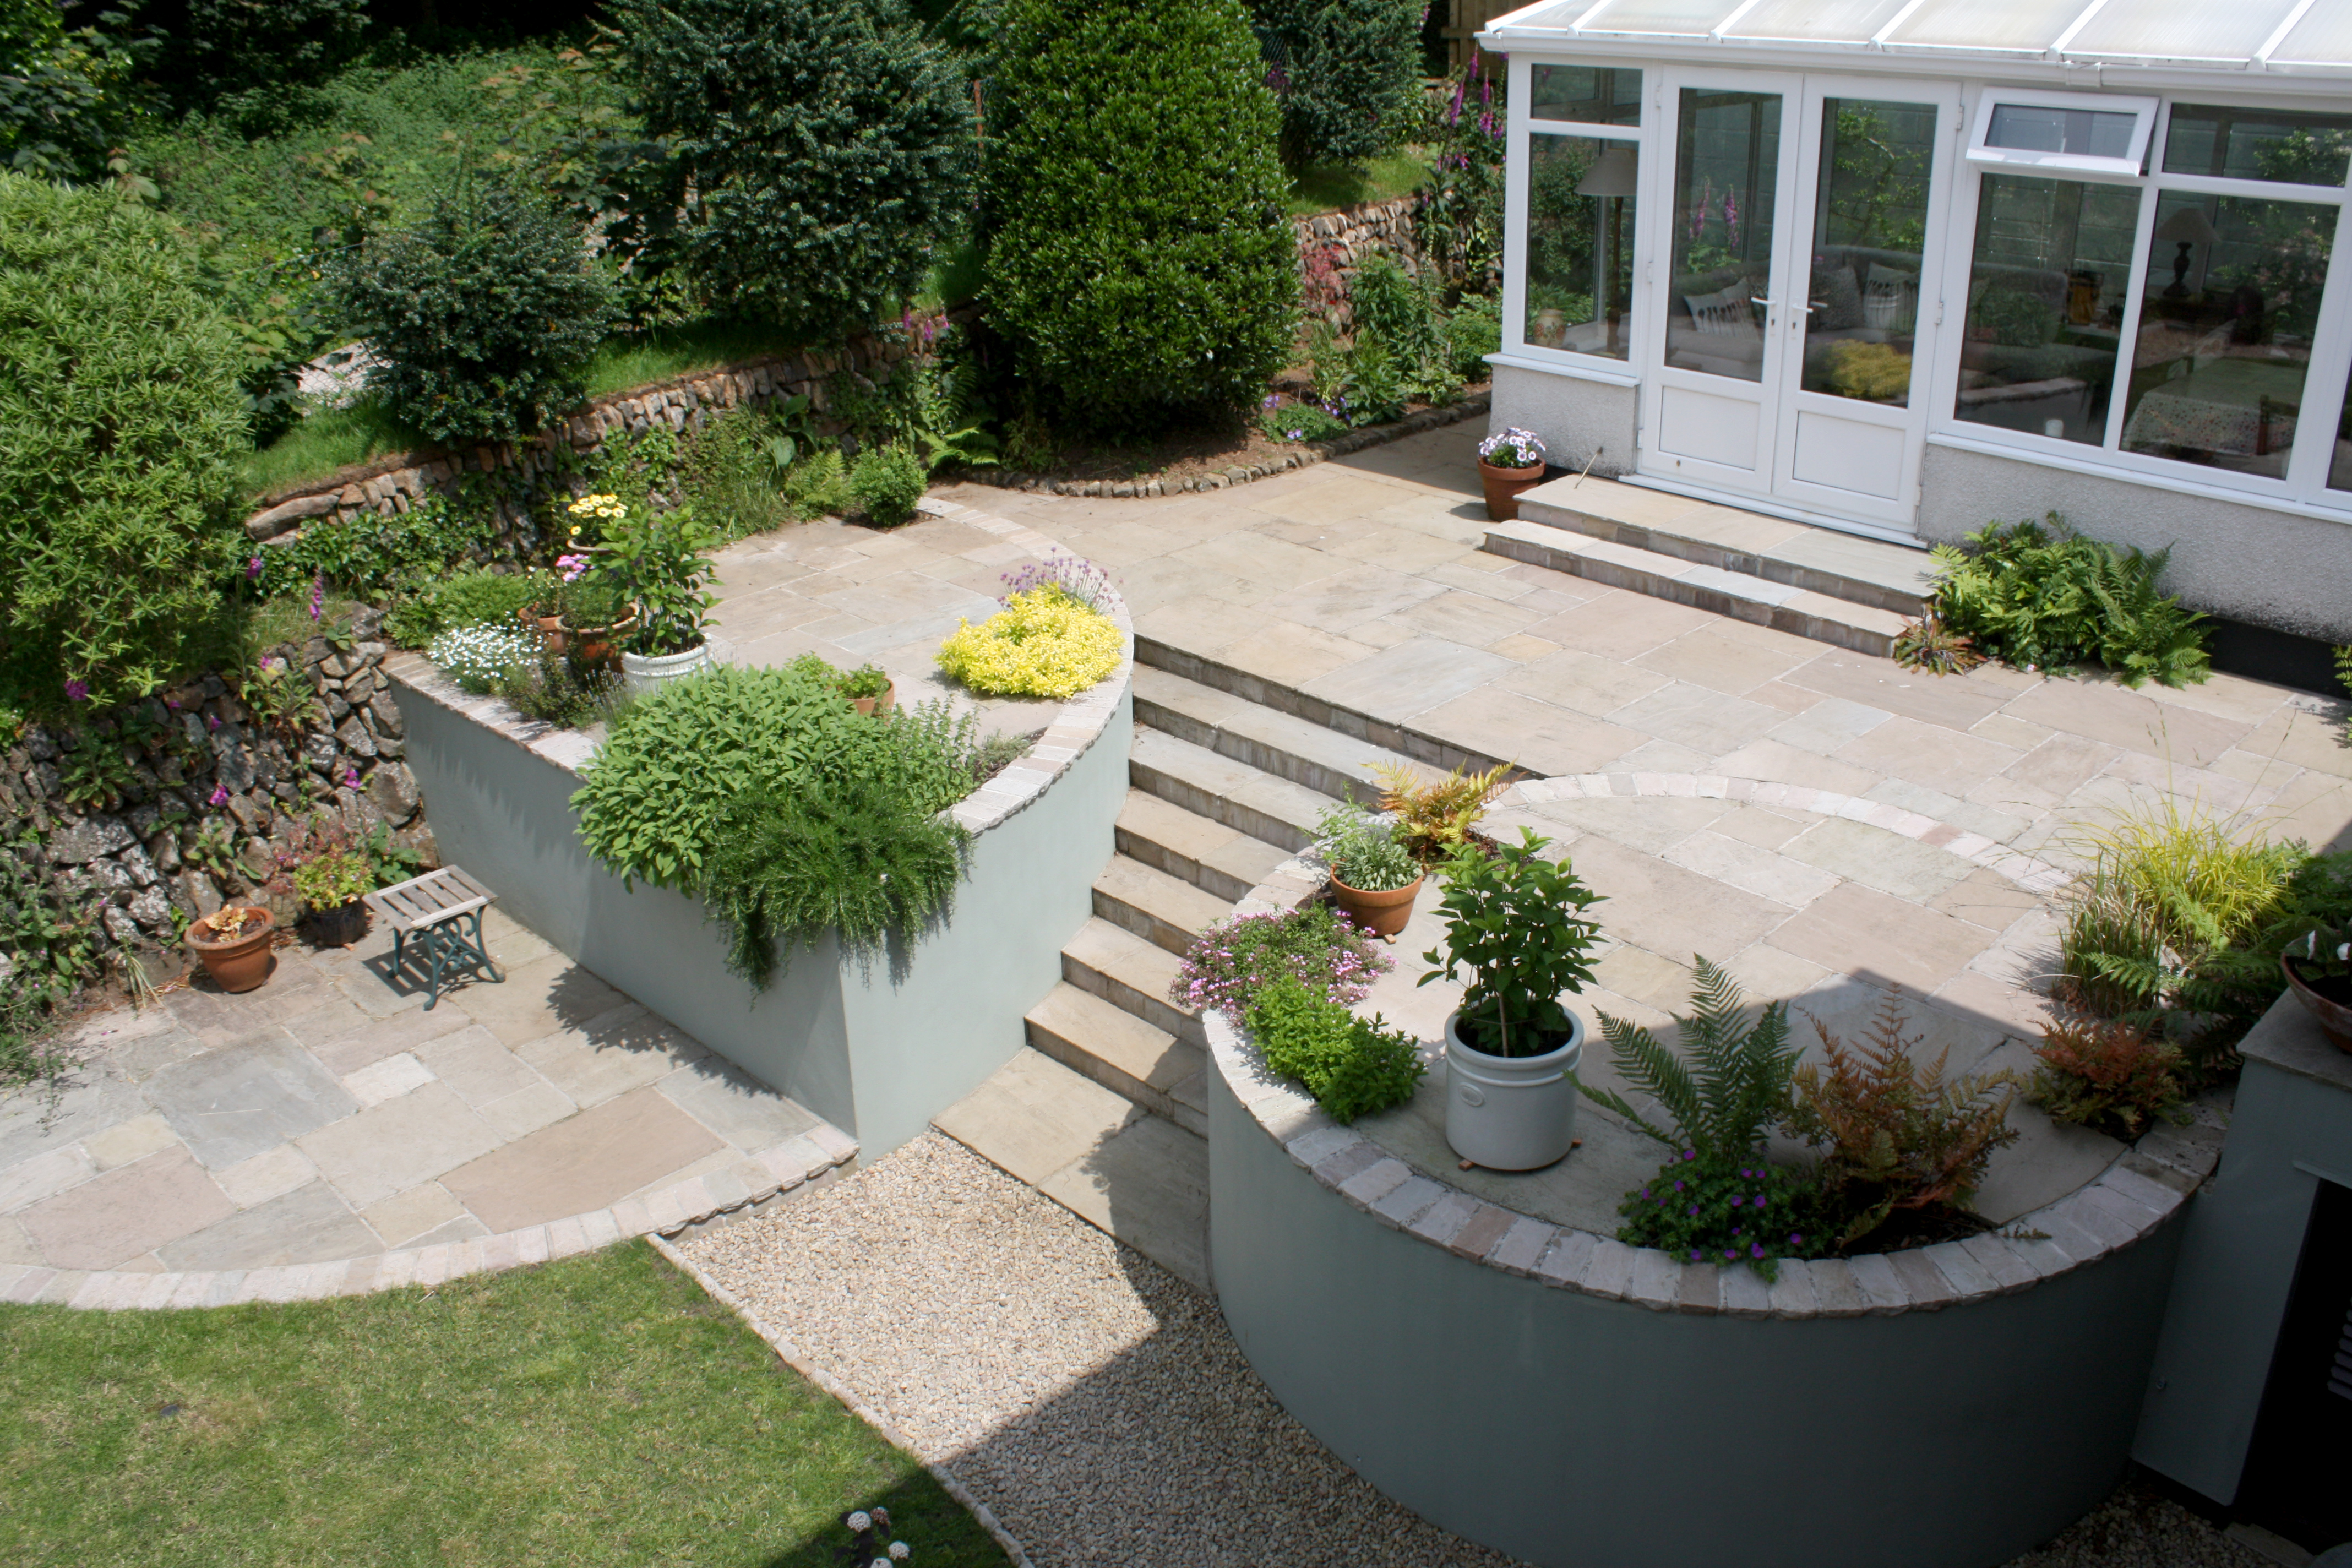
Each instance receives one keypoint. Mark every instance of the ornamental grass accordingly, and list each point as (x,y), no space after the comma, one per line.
(1044,643)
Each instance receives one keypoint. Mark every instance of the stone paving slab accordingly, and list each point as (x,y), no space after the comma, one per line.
(321,1134)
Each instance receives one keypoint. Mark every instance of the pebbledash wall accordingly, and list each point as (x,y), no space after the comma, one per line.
(876,1050)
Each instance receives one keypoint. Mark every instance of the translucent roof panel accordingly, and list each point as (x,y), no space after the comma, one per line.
(1811,20)
(1700,16)
(2323,37)
(2181,29)
(2028,24)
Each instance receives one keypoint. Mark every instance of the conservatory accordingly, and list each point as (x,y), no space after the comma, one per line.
(1901,267)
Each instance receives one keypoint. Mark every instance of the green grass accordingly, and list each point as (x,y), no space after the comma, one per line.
(601,1409)
(1324,187)
(325,440)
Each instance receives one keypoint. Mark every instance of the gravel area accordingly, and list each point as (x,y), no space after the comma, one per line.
(1097,1403)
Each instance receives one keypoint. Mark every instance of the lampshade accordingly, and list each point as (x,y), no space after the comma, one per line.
(2189,224)
(1612,174)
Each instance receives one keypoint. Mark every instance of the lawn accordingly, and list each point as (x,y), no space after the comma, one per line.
(1325,187)
(600,1409)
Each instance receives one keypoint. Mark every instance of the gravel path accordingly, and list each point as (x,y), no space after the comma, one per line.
(1097,1403)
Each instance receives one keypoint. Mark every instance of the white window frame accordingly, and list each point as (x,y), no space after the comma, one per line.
(1519,127)
(2077,165)
(2304,487)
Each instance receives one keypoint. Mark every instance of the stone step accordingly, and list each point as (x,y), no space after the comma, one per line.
(1868,572)
(1167,911)
(1139,1177)
(1802,612)
(1131,974)
(1210,856)
(1284,745)
(1271,810)
(1148,1065)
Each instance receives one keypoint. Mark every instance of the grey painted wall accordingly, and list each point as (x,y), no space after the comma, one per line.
(2239,1252)
(2294,573)
(1574,416)
(876,1053)
(1569,1430)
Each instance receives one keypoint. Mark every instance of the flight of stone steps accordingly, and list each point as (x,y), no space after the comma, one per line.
(1106,1109)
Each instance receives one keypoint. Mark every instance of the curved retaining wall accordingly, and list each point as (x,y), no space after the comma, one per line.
(875,1051)
(1570,1400)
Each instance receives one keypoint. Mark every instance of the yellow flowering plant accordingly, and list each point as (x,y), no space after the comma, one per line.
(1044,643)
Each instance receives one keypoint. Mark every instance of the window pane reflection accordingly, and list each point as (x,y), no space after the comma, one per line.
(1591,95)
(2339,466)
(1579,243)
(2295,147)
(1728,161)
(2224,336)
(2042,127)
(1870,223)
(2046,292)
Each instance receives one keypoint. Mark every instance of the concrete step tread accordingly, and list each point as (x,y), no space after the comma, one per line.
(1175,908)
(1132,974)
(1151,1056)
(1272,742)
(1220,859)
(1273,810)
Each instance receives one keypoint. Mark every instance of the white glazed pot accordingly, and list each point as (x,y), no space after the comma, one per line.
(1511,1113)
(644,675)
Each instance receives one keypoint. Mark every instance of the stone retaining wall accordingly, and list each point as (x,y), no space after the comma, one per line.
(214,796)
(1333,245)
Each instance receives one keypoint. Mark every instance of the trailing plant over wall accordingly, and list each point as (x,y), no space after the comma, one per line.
(1346,72)
(828,147)
(1354,1066)
(1235,959)
(120,415)
(1139,266)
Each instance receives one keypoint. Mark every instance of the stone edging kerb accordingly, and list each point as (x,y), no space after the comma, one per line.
(1310,453)
(1079,724)
(2141,1190)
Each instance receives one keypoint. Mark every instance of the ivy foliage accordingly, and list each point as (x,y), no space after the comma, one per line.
(828,144)
(119,418)
(484,313)
(1141,263)
(2035,594)
(1348,73)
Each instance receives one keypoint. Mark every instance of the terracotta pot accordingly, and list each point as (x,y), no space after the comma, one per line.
(601,645)
(1503,486)
(2335,1018)
(1383,914)
(549,627)
(237,963)
(339,927)
(882,704)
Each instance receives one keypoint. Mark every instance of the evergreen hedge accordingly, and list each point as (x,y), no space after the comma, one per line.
(1141,263)
(1348,73)
(119,418)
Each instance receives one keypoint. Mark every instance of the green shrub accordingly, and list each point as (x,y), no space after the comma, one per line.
(1726,1090)
(484,314)
(374,554)
(1352,1067)
(1516,921)
(468,599)
(1141,266)
(1727,1211)
(1472,333)
(229,46)
(827,156)
(119,418)
(887,482)
(1229,964)
(763,755)
(1300,422)
(1400,308)
(67,101)
(2034,595)
(1347,73)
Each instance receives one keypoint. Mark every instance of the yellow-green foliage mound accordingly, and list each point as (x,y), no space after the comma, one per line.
(1043,643)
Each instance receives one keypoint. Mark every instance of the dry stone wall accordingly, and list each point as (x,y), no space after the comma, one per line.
(1333,245)
(214,796)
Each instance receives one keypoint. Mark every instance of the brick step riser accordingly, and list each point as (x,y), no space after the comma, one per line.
(1302,770)
(1160,858)
(1796,623)
(1142,922)
(1217,808)
(1287,699)
(1074,1055)
(1156,1011)
(1700,552)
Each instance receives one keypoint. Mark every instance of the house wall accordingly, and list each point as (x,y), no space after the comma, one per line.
(1576,417)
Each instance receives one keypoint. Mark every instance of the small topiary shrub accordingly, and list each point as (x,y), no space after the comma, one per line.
(887,482)
(483,314)
(1347,73)
(119,418)
(1140,265)
(1044,643)
(1354,1066)
(828,146)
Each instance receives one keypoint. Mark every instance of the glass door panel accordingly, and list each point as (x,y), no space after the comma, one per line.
(1870,228)
(1727,174)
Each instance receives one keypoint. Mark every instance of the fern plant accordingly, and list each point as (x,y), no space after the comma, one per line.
(1435,819)
(2035,596)
(1729,1086)
(2108,1076)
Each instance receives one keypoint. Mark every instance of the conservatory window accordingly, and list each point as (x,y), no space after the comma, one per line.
(2064,132)
(1579,243)
(1585,95)
(2285,146)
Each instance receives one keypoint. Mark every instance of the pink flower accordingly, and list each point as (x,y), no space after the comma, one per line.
(318,595)
(78,690)
(571,566)
(219,796)
(351,779)
(212,720)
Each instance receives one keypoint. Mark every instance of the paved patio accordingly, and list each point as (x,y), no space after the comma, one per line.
(328,1117)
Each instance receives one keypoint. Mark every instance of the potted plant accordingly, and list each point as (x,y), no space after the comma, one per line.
(234,945)
(597,619)
(1374,877)
(656,563)
(870,689)
(2319,972)
(330,884)
(1516,920)
(1508,463)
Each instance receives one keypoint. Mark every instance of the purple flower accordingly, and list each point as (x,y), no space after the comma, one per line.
(1678,1186)
(1271,400)
(1693,1255)
(1756,1249)
(1731,1252)
(78,690)
(1795,1240)
(212,720)
(1694,1209)
(253,570)
(219,796)
(1731,218)
(1690,1153)
(351,778)
(318,595)
(1454,109)
(172,703)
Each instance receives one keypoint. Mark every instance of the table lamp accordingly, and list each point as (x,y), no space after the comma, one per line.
(2188,227)
(1614,173)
